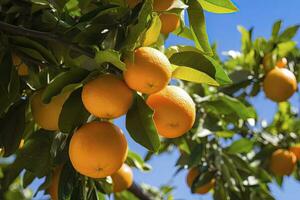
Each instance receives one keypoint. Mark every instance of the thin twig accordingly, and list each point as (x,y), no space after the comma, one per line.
(138,192)
(18,30)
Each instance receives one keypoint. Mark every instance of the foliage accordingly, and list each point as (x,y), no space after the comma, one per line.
(66,43)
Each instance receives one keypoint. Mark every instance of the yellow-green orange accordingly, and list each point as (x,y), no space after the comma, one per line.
(150,71)
(169,22)
(282,162)
(107,96)
(279,84)
(47,115)
(174,111)
(194,173)
(98,149)
(122,179)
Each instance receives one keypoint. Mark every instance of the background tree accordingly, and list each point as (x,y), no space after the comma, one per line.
(54,49)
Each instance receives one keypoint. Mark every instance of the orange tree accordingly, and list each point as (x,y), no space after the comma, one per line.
(69,67)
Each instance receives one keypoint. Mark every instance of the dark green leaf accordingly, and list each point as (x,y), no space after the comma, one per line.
(198,26)
(73,113)
(140,125)
(288,33)
(74,75)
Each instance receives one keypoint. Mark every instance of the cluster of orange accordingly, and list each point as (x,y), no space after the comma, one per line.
(283,162)
(169,21)
(99,149)
(280,83)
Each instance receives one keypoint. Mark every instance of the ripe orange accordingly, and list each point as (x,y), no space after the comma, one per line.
(162,5)
(132,3)
(53,188)
(21,66)
(122,179)
(282,162)
(280,84)
(282,63)
(194,173)
(107,96)
(47,115)
(169,22)
(296,150)
(174,111)
(98,149)
(150,72)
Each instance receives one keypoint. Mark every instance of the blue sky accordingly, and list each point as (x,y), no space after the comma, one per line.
(222,29)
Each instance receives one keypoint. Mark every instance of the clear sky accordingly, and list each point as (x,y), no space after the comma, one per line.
(223,29)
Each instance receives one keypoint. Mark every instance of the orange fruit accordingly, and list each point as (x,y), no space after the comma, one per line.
(47,115)
(53,188)
(132,3)
(296,150)
(279,84)
(150,71)
(282,162)
(174,111)
(162,5)
(282,63)
(98,149)
(169,22)
(107,96)
(21,66)
(194,173)
(122,179)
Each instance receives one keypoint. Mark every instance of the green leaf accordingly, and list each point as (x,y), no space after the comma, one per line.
(225,134)
(28,178)
(74,75)
(203,179)
(135,160)
(288,33)
(276,28)
(67,181)
(134,37)
(200,62)
(198,27)
(284,48)
(246,39)
(241,146)
(192,75)
(12,128)
(73,113)
(218,6)
(28,43)
(140,125)
(238,107)
(110,56)
(196,155)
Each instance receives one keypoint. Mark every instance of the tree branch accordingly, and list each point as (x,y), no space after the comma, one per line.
(138,192)
(17,30)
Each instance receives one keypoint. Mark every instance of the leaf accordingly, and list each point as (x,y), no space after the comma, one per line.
(153,32)
(135,160)
(288,33)
(192,75)
(203,179)
(284,48)
(140,124)
(241,146)
(67,181)
(28,178)
(275,29)
(110,56)
(198,27)
(74,75)
(238,107)
(12,128)
(218,6)
(225,134)
(196,155)
(203,63)
(136,31)
(246,39)
(73,113)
